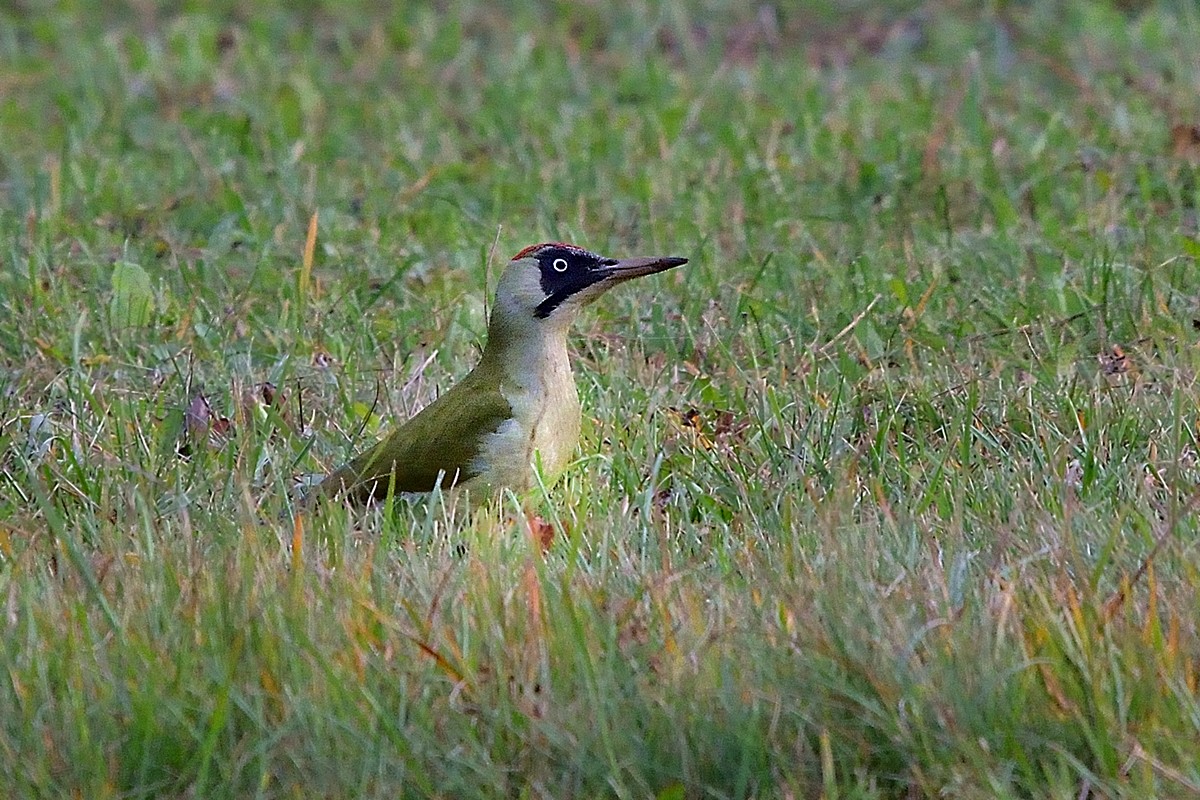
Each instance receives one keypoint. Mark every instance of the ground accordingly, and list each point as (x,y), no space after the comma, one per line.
(891,492)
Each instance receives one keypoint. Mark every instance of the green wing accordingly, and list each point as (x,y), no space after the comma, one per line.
(440,442)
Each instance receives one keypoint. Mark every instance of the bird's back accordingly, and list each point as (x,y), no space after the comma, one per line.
(440,444)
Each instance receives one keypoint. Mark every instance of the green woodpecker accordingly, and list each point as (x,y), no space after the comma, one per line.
(518,408)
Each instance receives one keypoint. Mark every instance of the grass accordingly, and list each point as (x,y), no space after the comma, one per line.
(891,492)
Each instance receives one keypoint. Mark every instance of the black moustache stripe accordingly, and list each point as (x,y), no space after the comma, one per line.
(547,306)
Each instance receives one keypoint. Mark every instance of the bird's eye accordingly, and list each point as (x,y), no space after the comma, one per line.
(560,265)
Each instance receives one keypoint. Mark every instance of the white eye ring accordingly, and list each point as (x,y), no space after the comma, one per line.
(560,265)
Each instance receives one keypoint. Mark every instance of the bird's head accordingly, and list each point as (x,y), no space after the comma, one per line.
(546,284)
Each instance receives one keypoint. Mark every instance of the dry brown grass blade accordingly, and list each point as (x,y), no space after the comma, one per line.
(844,332)
(306,265)
(441,660)
(297,543)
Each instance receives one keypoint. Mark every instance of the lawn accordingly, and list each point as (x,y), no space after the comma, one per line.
(892,492)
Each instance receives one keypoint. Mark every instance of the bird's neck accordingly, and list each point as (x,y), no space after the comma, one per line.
(526,353)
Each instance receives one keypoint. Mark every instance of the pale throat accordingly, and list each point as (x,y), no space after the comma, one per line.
(532,358)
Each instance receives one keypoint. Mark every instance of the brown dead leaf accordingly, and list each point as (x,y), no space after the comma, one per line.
(269,395)
(196,418)
(729,424)
(202,425)
(263,397)
(688,419)
(226,40)
(712,427)
(1185,142)
(542,532)
(1115,361)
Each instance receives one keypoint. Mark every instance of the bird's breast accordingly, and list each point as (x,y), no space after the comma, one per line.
(544,428)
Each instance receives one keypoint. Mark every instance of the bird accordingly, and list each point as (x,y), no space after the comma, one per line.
(518,410)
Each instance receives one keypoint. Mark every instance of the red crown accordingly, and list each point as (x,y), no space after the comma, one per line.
(535,247)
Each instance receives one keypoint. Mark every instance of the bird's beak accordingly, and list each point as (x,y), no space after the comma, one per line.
(627,268)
